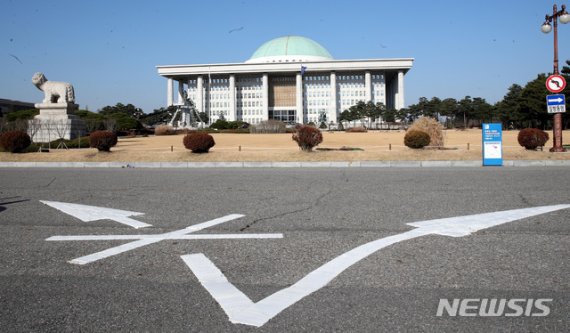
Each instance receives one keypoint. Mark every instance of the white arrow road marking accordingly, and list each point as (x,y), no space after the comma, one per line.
(465,225)
(147,241)
(241,310)
(143,240)
(92,213)
(161,237)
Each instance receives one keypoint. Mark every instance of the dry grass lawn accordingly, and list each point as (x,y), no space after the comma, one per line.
(280,147)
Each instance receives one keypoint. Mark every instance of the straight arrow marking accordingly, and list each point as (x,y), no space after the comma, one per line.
(241,310)
(92,213)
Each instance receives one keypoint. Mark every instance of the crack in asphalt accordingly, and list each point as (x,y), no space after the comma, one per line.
(51,182)
(316,203)
(525,200)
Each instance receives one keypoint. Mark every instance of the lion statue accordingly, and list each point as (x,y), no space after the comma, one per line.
(55,92)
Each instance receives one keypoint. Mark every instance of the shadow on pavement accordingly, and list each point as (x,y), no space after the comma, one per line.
(3,203)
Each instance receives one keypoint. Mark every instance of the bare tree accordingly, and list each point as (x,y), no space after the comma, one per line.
(34,125)
(92,125)
(110,124)
(17,125)
(269,126)
(47,134)
(50,129)
(62,127)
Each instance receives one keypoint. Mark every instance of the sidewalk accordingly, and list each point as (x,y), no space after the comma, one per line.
(339,164)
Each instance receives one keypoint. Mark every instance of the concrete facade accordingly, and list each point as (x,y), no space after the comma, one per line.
(294,88)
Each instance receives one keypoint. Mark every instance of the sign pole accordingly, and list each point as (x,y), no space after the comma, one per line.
(557,140)
(557,128)
(556,83)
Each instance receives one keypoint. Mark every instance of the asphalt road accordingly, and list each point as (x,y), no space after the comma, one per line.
(321,213)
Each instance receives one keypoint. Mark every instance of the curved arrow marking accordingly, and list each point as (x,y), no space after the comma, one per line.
(242,310)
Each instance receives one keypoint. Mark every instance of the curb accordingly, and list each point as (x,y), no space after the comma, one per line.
(337,164)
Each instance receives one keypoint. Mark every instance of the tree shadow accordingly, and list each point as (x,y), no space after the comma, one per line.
(3,203)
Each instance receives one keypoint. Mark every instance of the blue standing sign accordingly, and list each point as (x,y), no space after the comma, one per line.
(492,145)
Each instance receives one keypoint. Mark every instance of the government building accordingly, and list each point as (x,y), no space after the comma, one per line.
(293,79)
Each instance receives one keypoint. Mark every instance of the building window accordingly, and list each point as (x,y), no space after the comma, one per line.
(287,116)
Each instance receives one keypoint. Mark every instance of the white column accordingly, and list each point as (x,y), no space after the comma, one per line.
(265,92)
(169,89)
(383,91)
(400,99)
(188,84)
(180,92)
(299,99)
(333,116)
(200,94)
(232,91)
(367,87)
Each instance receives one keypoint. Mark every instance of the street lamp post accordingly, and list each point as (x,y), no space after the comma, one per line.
(564,17)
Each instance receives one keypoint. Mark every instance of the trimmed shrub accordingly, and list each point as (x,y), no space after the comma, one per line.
(307,137)
(198,142)
(531,138)
(102,140)
(416,139)
(238,124)
(15,141)
(164,130)
(268,126)
(359,129)
(220,124)
(82,142)
(432,127)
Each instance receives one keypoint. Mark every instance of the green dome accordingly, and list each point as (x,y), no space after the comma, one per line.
(290,49)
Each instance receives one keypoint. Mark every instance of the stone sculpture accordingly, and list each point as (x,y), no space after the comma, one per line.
(56,119)
(55,92)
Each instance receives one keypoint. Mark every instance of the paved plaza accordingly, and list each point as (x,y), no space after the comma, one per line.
(283,249)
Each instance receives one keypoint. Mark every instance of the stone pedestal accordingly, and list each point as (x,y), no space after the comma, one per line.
(55,121)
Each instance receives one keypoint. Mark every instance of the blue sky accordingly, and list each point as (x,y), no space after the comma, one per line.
(109,49)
